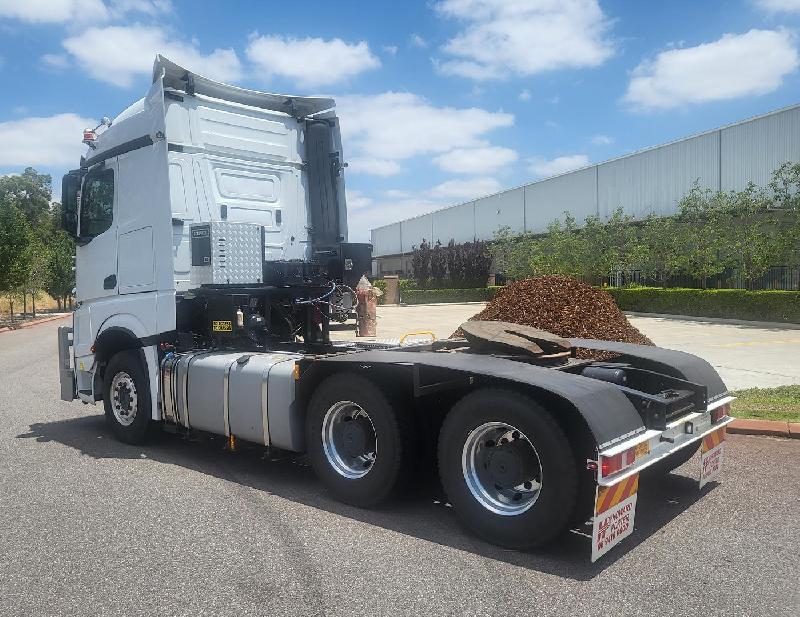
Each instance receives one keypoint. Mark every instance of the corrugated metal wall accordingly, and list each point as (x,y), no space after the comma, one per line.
(650,181)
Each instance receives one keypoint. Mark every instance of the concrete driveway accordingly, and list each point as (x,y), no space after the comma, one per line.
(91,526)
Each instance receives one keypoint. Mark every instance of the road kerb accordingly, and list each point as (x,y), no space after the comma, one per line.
(30,324)
(773,428)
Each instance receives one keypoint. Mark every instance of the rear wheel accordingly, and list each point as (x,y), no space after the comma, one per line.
(507,468)
(358,445)
(126,397)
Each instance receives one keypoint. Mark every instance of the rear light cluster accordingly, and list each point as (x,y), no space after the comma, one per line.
(612,464)
(720,412)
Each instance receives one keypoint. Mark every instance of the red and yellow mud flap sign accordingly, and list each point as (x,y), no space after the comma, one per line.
(614,510)
(711,456)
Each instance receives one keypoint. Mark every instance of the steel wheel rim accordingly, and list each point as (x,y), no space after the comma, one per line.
(124,398)
(480,461)
(339,440)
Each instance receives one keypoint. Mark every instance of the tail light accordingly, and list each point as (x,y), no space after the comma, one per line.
(612,464)
(720,412)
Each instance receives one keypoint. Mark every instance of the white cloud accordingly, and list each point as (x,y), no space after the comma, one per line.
(602,140)
(118,54)
(736,65)
(390,49)
(559,165)
(43,142)
(95,11)
(461,190)
(475,160)
(373,166)
(415,40)
(501,38)
(310,62)
(399,125)
(779,6)
(119,8)
(356,200)
(365,212)
(53,11)
(525,95)
(55,61)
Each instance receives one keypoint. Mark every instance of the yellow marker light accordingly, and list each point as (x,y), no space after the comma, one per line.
(297,372)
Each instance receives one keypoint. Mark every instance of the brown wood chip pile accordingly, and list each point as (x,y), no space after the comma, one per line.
(563,306)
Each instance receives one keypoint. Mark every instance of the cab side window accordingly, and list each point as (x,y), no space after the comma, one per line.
(97,203)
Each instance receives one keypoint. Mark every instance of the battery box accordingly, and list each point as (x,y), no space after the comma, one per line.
(226,253)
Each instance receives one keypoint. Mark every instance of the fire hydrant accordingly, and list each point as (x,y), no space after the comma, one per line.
(366,318)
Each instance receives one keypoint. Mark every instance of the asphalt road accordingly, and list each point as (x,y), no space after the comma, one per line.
(90,526)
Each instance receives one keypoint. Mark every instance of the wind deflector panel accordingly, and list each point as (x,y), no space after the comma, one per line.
(323,164)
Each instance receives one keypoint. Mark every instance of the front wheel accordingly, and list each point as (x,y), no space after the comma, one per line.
(507,468)
(126,397)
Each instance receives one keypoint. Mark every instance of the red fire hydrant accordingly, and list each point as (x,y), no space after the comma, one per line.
(366,311)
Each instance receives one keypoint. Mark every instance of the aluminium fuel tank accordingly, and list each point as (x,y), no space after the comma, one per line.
(249,395)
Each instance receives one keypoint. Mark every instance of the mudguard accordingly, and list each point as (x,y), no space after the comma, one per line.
(676,363)
(606,410)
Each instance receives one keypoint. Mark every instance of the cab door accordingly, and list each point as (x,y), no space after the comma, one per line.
(96,254)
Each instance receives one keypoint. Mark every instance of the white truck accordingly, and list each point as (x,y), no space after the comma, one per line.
(212,253)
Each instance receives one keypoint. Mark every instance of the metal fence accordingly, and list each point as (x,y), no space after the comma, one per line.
(784,278)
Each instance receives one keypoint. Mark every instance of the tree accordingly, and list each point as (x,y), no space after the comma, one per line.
(701,221)
(785,187)
(15,253)
(421,263)
(61,275)
(560,250)
(656,252)
(29,191)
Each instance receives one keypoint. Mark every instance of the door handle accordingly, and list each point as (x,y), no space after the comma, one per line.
(110,282)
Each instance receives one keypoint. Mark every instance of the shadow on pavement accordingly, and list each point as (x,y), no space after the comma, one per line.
(421,514)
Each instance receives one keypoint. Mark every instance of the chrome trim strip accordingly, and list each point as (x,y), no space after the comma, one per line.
(720,402)
(167,392)
(226,405)
(649,460)
(265,403)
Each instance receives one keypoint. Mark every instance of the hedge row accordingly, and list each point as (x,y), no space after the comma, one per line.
(783,306)
(431,296)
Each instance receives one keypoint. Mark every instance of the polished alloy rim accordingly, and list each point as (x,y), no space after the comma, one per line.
(502,468)
(349,440)
(124,401)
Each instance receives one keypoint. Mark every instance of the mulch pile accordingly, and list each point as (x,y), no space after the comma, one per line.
(563,306)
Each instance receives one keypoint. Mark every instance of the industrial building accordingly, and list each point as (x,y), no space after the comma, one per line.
(649,181)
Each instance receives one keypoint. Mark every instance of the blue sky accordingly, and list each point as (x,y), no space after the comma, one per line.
(441,101)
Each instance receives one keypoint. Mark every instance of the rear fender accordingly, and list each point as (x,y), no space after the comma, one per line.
(608,414)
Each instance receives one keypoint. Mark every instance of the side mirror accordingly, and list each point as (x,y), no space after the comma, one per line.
(70,191)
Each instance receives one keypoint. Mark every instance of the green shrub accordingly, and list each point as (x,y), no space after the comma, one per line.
(434,296)
(783,306)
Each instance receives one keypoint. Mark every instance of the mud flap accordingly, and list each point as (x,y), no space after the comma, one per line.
(711,456)
(614,511)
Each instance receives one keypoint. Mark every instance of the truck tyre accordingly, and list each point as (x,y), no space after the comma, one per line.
(126,397)
(507,468)
(359,446)
(673,461)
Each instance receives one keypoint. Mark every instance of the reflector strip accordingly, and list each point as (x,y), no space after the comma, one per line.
(712,440)
(609,496)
